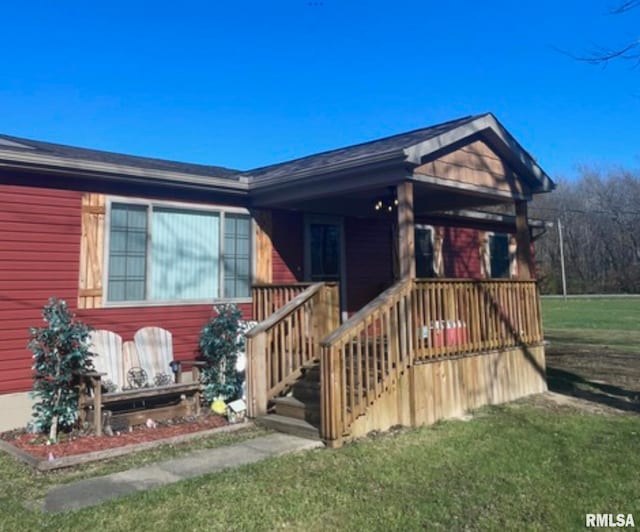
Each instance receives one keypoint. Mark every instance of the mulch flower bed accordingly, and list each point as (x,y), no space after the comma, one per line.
(77,443)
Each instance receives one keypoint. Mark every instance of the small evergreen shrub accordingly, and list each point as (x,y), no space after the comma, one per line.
(220,343)
(60,350)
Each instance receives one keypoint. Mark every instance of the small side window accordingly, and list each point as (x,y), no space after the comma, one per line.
(424,252)
(499,253)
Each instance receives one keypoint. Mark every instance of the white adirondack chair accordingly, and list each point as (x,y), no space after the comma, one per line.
(151,350)
(155,351)
(107,346)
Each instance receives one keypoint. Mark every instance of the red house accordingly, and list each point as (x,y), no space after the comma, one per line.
(130,241)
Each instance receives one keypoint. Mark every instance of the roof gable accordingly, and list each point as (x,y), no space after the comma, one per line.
(489,129)
(473,163)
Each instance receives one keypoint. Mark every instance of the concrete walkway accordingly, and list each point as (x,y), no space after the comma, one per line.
(94,491)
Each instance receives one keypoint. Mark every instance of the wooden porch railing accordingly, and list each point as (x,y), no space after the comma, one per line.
(415,321)
(267,298)
(454,317)
(361,359)
(280,346)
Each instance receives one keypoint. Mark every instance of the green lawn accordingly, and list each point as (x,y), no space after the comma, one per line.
(511,467)
(604,322)
(594,348)
(528,465)
(616,313)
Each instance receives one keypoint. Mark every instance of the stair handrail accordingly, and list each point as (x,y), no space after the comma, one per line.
(279,347)
(363,357)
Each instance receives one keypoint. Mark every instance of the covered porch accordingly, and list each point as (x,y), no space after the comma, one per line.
(353,216)
(389,327)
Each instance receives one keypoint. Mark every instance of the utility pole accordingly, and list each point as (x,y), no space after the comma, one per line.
(564,278)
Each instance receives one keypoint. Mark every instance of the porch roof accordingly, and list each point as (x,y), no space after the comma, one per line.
(388,148)
(370,167)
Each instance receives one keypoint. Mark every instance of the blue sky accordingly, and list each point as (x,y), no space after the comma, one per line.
(244,84)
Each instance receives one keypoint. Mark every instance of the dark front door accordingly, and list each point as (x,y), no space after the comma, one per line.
(324,252)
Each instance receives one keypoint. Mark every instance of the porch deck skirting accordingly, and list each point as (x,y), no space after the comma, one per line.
(446,388)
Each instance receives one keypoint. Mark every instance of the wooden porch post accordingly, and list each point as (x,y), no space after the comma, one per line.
(264,246)
(405,234)
(257,374)
(523,239)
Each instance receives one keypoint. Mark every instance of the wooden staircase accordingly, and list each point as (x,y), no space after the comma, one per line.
(283,355)
(298,412)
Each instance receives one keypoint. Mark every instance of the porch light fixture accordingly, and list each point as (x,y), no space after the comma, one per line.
(386,203)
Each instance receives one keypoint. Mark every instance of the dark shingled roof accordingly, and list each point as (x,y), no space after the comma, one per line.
(46,148)
(395,143)
(395,149)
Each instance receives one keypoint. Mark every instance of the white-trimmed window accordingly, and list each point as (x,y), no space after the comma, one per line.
(160,252)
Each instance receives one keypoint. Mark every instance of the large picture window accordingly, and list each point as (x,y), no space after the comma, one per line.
(166,253)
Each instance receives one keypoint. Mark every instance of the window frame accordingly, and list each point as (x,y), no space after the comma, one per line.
(221,210)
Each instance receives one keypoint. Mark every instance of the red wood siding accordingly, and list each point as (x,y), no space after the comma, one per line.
(461,253)
(39,258)
(368,260)
(39,247)
(288,246)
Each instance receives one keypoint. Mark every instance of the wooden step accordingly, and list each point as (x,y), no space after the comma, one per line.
(308,411)
(307,387)
(312,372)
(308,392)
(289,425)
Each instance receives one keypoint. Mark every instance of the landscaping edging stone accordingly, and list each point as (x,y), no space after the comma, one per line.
(94,456)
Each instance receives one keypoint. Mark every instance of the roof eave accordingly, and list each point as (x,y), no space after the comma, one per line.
(25,161)
(329,171)
(340,179)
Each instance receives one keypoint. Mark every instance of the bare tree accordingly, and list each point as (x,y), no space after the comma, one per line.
(600,215)
(602,55)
